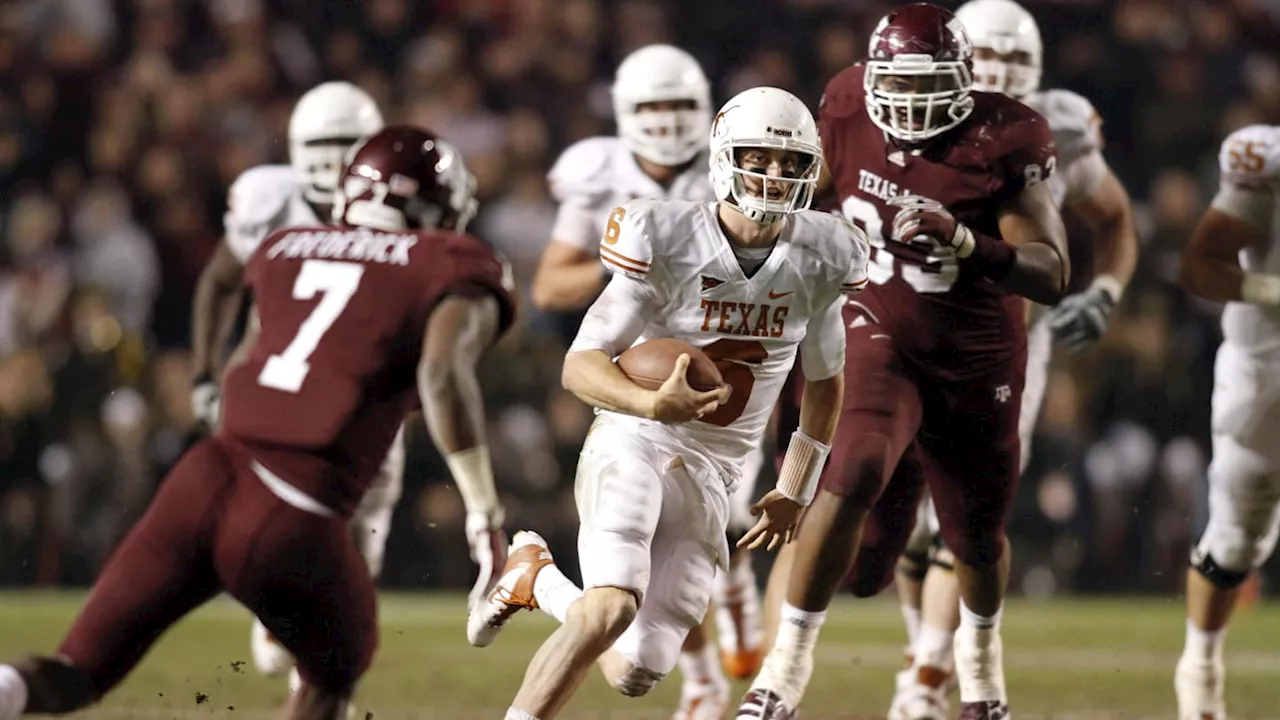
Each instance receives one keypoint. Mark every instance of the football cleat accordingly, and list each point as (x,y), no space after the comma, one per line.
(269,656)
(514,591)
(921,694)
(702,701)
(762,704)
(1199,686)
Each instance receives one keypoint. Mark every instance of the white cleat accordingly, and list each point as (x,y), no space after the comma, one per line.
(1199,685)
(702,701)
(514,591)
(921,694)
(269,656)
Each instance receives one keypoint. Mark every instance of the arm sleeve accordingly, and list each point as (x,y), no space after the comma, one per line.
(577,225)
(618,317)
(822,349)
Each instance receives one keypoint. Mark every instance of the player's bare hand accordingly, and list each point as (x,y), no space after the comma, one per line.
(922,218)
(676,402)
(778,515)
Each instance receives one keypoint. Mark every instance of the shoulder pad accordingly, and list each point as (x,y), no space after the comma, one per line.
(629,235)
(844,95)
(256,206)
(1075,124)
(841,248)
(581,174)
(1251,156)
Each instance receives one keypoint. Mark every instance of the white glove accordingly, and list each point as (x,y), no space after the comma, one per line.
(488,542)
(206,399)
(1080,320)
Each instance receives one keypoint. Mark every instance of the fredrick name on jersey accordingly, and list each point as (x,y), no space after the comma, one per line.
(360,244)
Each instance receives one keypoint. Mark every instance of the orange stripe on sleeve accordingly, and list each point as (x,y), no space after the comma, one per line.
(616,258)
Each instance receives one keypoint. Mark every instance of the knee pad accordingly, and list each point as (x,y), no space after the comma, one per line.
(942,557)
(913,564)
(858,471)
(637,681)
(1203,563)
(1244,497)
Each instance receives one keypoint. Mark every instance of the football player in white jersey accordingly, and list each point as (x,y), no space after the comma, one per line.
(326,122)
(662,102)
(657,468)
(1007,58)
(1234,257)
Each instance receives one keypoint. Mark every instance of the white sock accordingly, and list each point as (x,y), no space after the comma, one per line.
(13,693)
(515,713)
(934,647)
(1204,645)
(911,616)
(979,622)
(554,592)
(789,665)
(701,667)
(978,651)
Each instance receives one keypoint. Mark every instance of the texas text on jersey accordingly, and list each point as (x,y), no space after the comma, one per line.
(942,315)
(341,314)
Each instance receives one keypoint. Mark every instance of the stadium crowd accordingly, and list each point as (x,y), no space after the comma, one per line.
(123,122)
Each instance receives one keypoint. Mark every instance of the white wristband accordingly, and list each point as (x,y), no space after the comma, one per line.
(1260,289)
(802,467)
(473,474)
(962,242)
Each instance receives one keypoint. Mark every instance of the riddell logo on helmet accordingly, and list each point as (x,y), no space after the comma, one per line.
(780,132)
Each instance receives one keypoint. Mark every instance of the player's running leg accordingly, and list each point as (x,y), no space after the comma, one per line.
(735,595)
(1244,519)
(971,457)
(160,572)
(921,688)
(882,412)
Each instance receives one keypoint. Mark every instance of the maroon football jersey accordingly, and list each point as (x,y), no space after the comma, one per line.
(945,318)
(342,312)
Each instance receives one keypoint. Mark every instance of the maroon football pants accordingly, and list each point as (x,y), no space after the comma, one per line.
(214,526)
(900,432)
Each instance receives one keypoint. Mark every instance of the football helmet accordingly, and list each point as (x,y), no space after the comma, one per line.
(764,117)
(405,178)
(662,73)
(325,123)
(1005,28)
(919,73)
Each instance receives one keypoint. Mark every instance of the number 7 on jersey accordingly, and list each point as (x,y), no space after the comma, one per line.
(338,282)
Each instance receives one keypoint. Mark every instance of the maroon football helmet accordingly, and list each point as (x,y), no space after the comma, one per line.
(405,178)
(919,73)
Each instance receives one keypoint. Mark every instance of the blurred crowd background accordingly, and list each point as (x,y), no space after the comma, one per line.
(122,122)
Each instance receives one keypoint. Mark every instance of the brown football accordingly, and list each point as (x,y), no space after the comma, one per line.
(650,363)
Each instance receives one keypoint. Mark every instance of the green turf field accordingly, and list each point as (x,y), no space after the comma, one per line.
(1065,659)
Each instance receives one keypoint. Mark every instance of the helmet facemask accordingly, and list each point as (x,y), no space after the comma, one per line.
(768,179)
(914,98)
(666,132)
(1008,71)
(319,164)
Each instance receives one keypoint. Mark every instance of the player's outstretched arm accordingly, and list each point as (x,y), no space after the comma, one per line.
(213,313)
(567,278)
(459,331)
(1210,264)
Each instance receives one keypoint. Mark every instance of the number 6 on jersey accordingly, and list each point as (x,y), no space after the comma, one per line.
(337,281)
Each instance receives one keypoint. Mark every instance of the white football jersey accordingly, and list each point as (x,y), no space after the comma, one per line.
(1249,180)
(262,200)
(1077,131)
(676,275)
(593,176)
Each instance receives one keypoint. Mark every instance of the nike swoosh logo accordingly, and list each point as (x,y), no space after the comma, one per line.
(774,296)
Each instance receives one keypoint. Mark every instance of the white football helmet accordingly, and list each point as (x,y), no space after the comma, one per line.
(326,122)
(1003,27)
(764,117)
(662,73)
